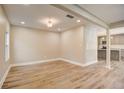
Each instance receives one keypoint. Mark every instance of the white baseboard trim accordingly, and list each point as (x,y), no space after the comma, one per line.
(77,63)
(50,60)
(90,63)
(34,62)
(4,76)
(72,62)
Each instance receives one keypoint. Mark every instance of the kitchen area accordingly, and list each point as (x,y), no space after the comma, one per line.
(117,47)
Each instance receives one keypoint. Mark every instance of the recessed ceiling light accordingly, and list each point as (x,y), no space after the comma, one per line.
(78,20)
(22,22)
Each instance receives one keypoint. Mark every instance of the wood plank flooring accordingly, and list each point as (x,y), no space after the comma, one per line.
(63,75)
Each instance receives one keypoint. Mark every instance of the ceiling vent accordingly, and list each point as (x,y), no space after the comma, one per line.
(70,16)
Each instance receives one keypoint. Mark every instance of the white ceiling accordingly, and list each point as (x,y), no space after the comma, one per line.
(35,15)
(110,13)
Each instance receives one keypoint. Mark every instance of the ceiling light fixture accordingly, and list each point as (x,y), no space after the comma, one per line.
(78,20)
(22,22)
(50,23)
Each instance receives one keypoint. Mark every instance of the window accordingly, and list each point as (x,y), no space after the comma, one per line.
(6,46)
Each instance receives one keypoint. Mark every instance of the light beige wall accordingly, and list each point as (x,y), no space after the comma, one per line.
(29,45)
(4,26)
(78,44)
(91,33)
(72,47)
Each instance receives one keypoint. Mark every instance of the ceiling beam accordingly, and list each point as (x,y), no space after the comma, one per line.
(117,24)
(79,11)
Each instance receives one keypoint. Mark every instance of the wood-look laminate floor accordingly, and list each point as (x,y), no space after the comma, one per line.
(63,75)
